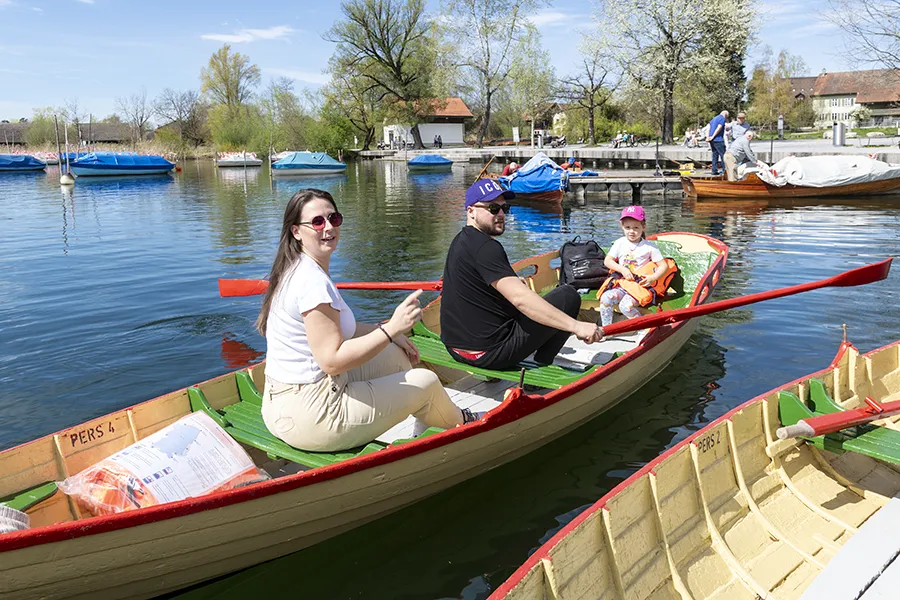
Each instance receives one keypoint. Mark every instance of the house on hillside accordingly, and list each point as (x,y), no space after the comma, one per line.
(446,118)
(837,95)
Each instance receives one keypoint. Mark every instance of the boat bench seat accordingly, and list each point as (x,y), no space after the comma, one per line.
(432,350)
(869,440)
(243,421)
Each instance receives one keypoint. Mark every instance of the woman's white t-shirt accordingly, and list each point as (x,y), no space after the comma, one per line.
(632,255)
(289,358)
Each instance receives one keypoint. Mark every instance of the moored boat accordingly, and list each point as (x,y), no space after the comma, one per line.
(742,510)
(429,163)
(109,163)
(307,163)
(539,179)
(20,162)
(49,158)
(797,177)
(238,159)
(313,496)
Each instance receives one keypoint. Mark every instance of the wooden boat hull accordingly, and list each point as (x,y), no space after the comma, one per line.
(551,196)
(730,512)
(753,186)
(154,550)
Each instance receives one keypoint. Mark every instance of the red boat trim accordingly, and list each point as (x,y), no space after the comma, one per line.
(544,551)
(505,414)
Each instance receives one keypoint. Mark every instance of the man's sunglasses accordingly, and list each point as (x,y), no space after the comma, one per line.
(495,208)
(318,222)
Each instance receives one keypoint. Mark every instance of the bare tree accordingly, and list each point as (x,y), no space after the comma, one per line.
(388,47)
(486,35)
(136,111)
(184,110)
(534,84)
(589,88)
(872,30)
(75,115)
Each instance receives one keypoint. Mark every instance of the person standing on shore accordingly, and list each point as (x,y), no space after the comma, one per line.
(716,139)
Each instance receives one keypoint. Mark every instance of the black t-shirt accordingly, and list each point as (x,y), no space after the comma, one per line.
(475,316)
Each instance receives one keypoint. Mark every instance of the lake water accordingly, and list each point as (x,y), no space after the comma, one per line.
(109,298)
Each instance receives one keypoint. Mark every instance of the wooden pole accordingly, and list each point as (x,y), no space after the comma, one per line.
(58,153)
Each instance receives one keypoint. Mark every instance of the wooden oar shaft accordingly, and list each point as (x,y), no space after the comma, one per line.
(832,422)
(859,276)
(229,288)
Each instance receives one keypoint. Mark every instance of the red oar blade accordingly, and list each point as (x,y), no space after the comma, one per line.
(252,287)
(859,276)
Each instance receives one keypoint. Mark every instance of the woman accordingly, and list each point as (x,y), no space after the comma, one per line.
(333,383)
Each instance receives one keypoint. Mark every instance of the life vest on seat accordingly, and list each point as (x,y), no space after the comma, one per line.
(645,296)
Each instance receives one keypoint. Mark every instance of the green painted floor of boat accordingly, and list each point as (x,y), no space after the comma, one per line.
(870,440)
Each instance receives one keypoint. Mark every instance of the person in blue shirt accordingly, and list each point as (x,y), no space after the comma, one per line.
(716,139)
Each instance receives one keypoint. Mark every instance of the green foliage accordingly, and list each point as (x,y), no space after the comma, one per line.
(238,129)
(770,94)
(41,130)
(229,78)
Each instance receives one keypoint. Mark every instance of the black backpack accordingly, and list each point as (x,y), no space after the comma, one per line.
(581,264)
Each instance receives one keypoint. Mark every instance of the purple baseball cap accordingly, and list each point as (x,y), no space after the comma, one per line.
(485,190)
(633,212)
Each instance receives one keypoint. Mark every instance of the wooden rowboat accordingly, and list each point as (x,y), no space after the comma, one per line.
(754,187)
(313,496)
(735,512)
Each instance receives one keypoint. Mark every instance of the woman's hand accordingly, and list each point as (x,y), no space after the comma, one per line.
(407,314)
(408,347)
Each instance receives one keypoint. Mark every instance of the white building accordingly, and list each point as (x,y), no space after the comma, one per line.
(447,119)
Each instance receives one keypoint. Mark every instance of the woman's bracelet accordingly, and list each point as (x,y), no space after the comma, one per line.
(384,331)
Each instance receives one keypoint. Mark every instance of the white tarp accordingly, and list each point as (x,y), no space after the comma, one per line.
(827,171)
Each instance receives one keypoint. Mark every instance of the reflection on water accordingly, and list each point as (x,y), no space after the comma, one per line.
(109,297)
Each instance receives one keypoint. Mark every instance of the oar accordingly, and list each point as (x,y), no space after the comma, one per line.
(480,175)
(252,287)
(859,276)
(832,422)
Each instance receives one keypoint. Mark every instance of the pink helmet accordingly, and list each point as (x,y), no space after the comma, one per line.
(633,212)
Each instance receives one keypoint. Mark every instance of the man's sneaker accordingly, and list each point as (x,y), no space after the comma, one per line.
(471,417)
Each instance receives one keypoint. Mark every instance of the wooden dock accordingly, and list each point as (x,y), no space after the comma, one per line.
(636,184)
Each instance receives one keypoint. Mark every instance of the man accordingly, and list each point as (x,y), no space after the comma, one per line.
(739,128)
(741,157)
(509,169)
(716,139)
(489,317)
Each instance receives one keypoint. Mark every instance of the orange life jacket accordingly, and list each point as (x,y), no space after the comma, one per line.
(645,296)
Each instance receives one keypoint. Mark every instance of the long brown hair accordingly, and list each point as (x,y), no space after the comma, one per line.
(289,247)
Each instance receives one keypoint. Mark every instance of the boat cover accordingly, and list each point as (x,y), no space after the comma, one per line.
(540,174)
(827,171)
(111,159)
(26,162)
(307,160)
(429,160)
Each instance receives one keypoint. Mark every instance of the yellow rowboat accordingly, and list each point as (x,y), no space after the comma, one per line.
(313,496)
(736,512)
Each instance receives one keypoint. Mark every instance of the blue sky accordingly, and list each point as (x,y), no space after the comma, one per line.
(98,50)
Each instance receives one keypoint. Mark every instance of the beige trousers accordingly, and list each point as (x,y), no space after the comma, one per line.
(731,172)
(353,408)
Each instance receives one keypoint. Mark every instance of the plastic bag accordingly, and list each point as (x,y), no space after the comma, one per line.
(191,457)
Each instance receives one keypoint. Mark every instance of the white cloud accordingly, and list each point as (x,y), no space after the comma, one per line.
(305,76)
(547,18)
(249,35)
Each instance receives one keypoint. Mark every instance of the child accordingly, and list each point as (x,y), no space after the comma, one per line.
(629,253)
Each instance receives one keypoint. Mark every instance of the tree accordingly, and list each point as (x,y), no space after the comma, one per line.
(860,115)
(73,113)
(349,97)
(184,111)
(388,47)
(136,112)
(588,88)
(872,30)
(769,91)
(229,78)
(486,35)
(534,84)
(658,43)
(41,130)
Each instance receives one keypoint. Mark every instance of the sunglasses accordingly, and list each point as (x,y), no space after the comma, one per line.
(318,222)
(495,208)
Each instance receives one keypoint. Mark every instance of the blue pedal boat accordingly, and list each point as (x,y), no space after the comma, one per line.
(109,163)
(429,162)
(20,162)
(307,163)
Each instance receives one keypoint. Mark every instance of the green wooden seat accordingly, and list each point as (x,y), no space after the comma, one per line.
(432,350)
(27,498)
(243,421)
(870,440)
